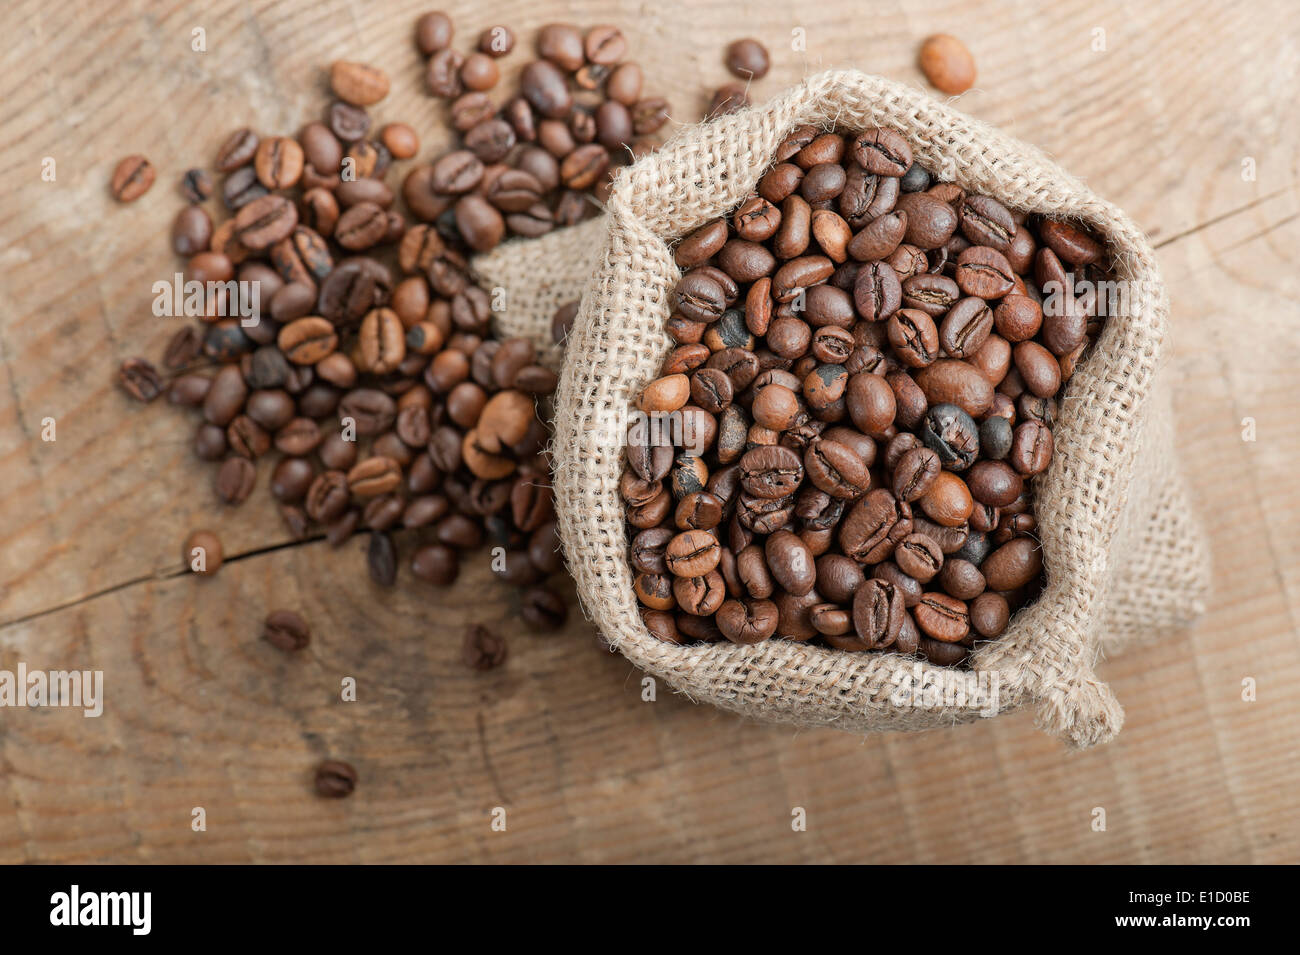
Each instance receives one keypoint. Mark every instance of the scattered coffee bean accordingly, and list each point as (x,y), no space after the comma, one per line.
(204,554)
(132,178)
(482,649)
(947,64)
(286,630)
(335,779)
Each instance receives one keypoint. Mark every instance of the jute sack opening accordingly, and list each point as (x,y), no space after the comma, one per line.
(1122,555)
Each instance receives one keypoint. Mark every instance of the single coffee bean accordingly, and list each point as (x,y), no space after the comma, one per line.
(915,473)
(374,476)
(790,563)
(747,621)
(335,779)
(543,609)
(358,83)
(952,434)
(1013,565)
(948,501)
(942,617)
(947,64)
(140,379)
(286,630)
(878,612)
(989,614)
(961,579)
(874,526)
(235,480)
(481,649)
(132,178)
(203,553)
(984,272)
(994,483)
(919,556)
(1031,448)
(381,559)
(747,59)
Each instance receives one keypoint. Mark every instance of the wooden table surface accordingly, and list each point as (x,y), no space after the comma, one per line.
(1183,113)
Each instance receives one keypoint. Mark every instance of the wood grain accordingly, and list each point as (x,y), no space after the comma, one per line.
(201,713)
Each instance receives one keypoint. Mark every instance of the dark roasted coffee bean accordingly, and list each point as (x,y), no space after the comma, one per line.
(235,479)
(878,612)
(335,779)
(995,438)
(543,609)
(915,473)
(381,559)
(874,526)
(836,469)
(286,630)
(989,614)
(1031,448)
(140,379)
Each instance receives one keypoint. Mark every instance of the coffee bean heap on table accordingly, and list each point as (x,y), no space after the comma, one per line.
(527,167)
(372,318)
(864,387)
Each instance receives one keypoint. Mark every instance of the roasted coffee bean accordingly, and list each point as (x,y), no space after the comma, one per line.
(481,649)
(1031,448)
(279,162)
(947,64)
(140,379)
(692,553)
(790,563)
(952,434)
(882,152)
(748,621)
(877,293)
(307,340)
(989,614)
(871,403)
(544,87)
(700,596)
(747,59)
(950,381)
(942,617)
(381,559)
(771,472)
(836,469)
(335,779)
(931,222)
(442,74)
(132,178)
(235,480)
(874,526)
(915,473)
(203,553)
(878,612)
(286,630)
(1013,565)
(237,150)
(919,556)
(914,338)
(948,501)
(994,483)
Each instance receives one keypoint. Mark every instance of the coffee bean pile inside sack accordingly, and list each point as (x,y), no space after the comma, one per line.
(842,445)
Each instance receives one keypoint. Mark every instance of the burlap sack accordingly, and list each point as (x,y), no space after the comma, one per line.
(1123,557)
